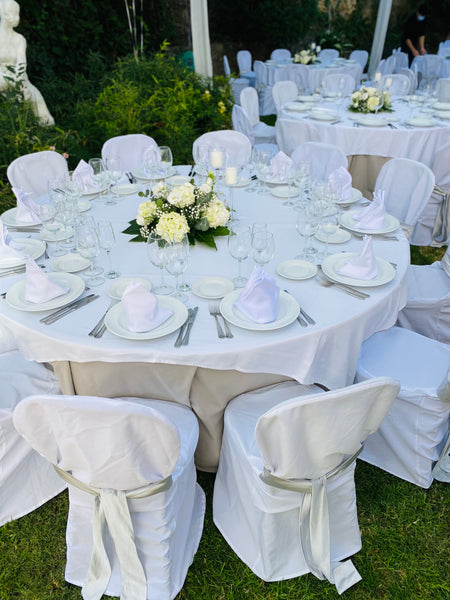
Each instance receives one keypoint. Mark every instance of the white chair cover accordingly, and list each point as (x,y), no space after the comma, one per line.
(263,133)
(400,84)
(431,66)
(129,149)
(32,172)
(433,226)
(283,91)
(362,56)
(389,65)
(443,90)
(400,61)
(289,132)
(328,54)
(241,122)
(412,76)
(280,445)
(244,61)
(236,143)
(238,84)
(299,75)
(408,185)
(339,82)
(427,309)
(280,54)
(324,158)
(26,479)
(136,511)
(411,437)
(266,103)
(444,49)
(356,71)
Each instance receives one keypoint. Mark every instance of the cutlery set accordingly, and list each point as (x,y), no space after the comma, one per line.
(185,329)
(303,318)
(348,289)
(69,308)
(214,311)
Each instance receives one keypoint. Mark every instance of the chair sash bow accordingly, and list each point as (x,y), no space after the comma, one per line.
(441,229)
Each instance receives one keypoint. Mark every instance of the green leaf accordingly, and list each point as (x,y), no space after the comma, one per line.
(220,231)
(133,229)
(206,237)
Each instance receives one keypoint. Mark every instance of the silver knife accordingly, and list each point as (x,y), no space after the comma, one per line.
(302,321)
(82,302)
(179,339)
(191,320)
(307,317)
(62,311)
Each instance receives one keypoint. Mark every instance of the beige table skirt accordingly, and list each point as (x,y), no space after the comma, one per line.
(364,169)
(206,391)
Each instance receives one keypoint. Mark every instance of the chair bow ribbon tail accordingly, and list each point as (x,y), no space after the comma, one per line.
(441,228)
(111,512)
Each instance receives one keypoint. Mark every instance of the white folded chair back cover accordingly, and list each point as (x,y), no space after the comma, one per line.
(431,66)
(236,144)
(249,102)
(266,103)
(238,84)
(136,512)
(284,495)
(328,54)
(280,54)
(290,133)
(244,61)
(32,172)
(401,61)
(412,76)
(443,89)
(129,149)
(299,75)
(408,185)
(284,91)
(27,480)
(400,84)
(362,56)
(339,83)
(324,158)
(241,122)
(412,436)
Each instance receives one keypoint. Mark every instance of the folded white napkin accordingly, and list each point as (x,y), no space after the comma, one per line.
(142,312)
(342,179)
(84,174)
(279,165)
(372,217)
(38,286)
(363,266)
(27,211)
(259,298)
(9,250)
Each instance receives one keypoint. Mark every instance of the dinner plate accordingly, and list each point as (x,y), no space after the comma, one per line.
(296,269)
(354,197)
(297,106)
(391,223)
(70,263)
(124,189)
(94,191)
(84,205)
(212,287)
(421,122)
(442,106)
(240,183)
(15,296)
(9,218)
(117,288)
(140,174)
(444,114)
(56,236)
(284,191)
(178,179)
(309,99)
(287,311)
(116,323)
(323,115)
(332,264)
(339,237)
(30,247)
(372,120)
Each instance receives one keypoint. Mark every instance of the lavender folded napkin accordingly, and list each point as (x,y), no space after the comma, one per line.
(141,309)
(9,250)
(27,211)
(342,180)
(258,300)
(373,216)
(84,174)
(363,266)
(279,166)
(39,287)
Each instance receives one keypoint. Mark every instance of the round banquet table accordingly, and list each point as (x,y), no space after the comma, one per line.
(207,373)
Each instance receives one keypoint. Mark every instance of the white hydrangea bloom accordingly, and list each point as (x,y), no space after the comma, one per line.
(182,195)
(217,213)
(146,212)
(172,227)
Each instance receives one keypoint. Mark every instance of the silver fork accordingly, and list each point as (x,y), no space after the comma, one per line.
(214,312)
(228,333)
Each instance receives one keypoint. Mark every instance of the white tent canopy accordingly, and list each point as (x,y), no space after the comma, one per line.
(379,37)
(201,46)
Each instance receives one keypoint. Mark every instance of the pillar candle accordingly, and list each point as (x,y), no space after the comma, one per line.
(216,159)
(231,175)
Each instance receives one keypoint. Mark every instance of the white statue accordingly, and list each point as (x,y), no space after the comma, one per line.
(13,48)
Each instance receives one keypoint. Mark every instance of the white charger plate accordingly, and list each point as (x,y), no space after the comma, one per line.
(116,323)
(178,179)
(323,115)
(333,263)
(309,99)
(140,174)
(124,189)
(442,106)
(421,122)
(70,263)
(296,269)
(117,288)
(354,197)
(56,236)
(242,182)
(9,218)
(298,106)
(287,311)
(391,223)
(212,287)
(372,120)
(339,237)
(444,114)
(93,191)
(283,191)
(15,296)
(84,205)
(30,247)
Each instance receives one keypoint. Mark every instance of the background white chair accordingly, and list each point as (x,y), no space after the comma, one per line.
(299,75)
(427,309)
(443,90)
(275,500)
(399,84)
(26,479)
(338,83)
(362,56)
(280,54)
(412,435)
(323,158)
(129,149)
(400,62)
(266,103)
(244,61)
(412,76)
(32,172)
(237,83)
(237,145)
(327,55)
(408,185)
(444,49)
(241,123)
(263,133)
(136,512)
(289,134)
(282,92)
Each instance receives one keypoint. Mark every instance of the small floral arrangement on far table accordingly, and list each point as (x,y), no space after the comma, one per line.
(307,57)
(368,100)
(184,209)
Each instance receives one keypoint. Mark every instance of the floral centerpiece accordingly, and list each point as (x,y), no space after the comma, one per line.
(368,100)
(306,57)
(184,209)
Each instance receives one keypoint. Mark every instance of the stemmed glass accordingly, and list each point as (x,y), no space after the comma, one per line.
(303,181)
(202,159)
(328,226)
(263,168)
(380,96)
(166,159)
(239,244)
(251,166)
(98,174)
(157,255)
(263,247)
(114,173)
(290,175)
(66,215)
(177,262)
(107,242)
(306,227)
(47,214)
(88,246)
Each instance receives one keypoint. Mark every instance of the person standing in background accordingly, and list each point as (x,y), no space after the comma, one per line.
(413,39)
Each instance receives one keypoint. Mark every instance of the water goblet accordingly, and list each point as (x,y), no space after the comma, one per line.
(290,176)
(328,226)
(99,175)
(380,98)
(151,163)
(114,174)
(88,246)
(239,244)
(263,247)
(107,242)
(166,159)
(176,264)
(157,255)
(306,226)
(303,181)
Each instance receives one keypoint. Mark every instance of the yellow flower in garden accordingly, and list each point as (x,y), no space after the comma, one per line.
(217,213)
(222,107)
(172,227)
(146,213)
(206,95)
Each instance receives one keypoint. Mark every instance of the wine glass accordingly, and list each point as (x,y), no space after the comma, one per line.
(263,247)
(177,262)
(380,97)
(239,244)
(306,226)
(202,159)
(114,174)
(88,246)
(107,242)
(166,159)
(263,168)
(157,255)
(66,216)
(328,226)
(290,175)
(151,163)
(303,181)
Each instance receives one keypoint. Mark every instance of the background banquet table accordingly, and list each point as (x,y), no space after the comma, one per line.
(208,372)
